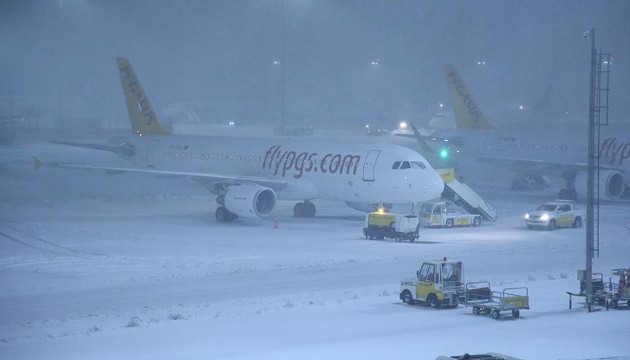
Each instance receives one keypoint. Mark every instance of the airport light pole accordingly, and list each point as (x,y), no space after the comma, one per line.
(281,125)
(590,180)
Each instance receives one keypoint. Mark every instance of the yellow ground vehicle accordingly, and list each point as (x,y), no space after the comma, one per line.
(442,214)
(437,283)
(380,225)
(553,214)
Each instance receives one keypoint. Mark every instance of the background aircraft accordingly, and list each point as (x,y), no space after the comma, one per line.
(534,152)
(248,174)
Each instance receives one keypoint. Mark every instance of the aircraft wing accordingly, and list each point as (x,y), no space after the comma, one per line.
(205,178)
(532,165)
(104,147)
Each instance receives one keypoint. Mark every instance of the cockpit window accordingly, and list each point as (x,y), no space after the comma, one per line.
(405,165)
(418,165)
(396,165)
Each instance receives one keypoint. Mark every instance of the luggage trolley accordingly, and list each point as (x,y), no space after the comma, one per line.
(480,296)
(619,294)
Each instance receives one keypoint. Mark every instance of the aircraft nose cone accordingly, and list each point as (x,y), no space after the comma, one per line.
(428,186)
(435,186)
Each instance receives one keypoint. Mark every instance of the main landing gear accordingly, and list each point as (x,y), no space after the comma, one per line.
(222,213)
(568,193)
(304,209)
(526,182)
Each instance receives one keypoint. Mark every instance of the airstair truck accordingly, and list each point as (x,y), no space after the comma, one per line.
(465,197)
(446,215)
(438,283)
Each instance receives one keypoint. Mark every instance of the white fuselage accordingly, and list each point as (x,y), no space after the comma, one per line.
(562,151)
(566,146)
(311,169)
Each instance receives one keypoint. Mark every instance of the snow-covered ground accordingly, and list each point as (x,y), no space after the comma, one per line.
(129,266)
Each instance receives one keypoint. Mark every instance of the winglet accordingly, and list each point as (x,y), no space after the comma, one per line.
(38,163)
(467,114)
(144,121)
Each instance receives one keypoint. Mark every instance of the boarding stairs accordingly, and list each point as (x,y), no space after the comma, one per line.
(465,197)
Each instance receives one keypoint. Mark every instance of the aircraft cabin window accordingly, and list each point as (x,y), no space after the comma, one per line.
(396,165)
(418,165)
(405,165)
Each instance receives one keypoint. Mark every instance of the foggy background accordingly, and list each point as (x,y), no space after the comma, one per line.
(346,62)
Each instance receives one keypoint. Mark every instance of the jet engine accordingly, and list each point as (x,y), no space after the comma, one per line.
(249,201)
(612,184)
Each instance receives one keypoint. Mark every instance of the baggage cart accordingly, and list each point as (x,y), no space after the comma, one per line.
(484,300)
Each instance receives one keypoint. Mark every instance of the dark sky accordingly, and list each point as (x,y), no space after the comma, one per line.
(222,53)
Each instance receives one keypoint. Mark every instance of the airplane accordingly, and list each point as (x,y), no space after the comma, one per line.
(248,175)
(535,152)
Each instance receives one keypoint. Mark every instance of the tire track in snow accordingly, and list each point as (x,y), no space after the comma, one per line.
(64,253)
(45,245)
(75,251)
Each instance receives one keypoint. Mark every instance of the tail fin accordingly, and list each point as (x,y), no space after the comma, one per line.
(467,113)
(143,118)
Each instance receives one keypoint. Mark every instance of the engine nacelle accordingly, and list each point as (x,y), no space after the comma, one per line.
(612,184)
(250,201)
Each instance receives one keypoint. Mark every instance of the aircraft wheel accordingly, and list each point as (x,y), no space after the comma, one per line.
(566,194)
(222,214)
(298,210)
(309,209)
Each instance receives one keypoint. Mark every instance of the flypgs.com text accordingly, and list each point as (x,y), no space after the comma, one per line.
(303,162)
(614,152)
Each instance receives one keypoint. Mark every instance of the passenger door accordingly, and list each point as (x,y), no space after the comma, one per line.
(369,164)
